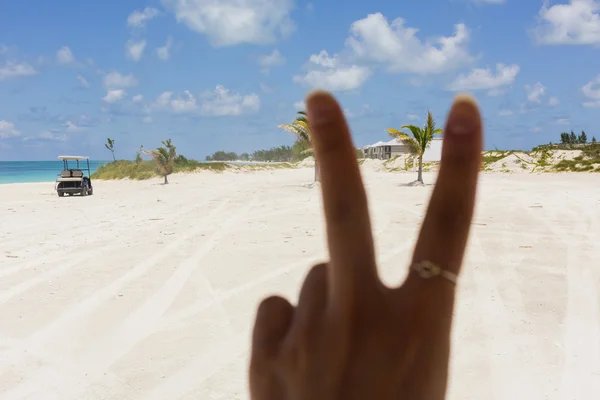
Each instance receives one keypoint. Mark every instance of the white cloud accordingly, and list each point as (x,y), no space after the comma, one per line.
(114,80)
(8,129)
(147,120)
(164,52)
(397,46)
(300,105)
(348,113)
(310,7)
(232,22)
(64,55)
(222,102)
(268,61)
(135,50)
(553,101)
(12,69)
(536,129)
(591,91)
(183,104)
(138,19)
(486,79)
(138,98)
(332,76)
(535,92)
(51,135)
(71,126)
(114,96)
(412,117)
(562,121)
(82,81)
(576,23)
(505,113)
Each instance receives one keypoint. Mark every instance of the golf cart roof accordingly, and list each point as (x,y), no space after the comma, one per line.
(72,158)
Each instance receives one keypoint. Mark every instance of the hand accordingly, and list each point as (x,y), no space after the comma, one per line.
(350,337)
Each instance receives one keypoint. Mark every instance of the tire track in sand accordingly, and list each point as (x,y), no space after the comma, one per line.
(59,329)
(144,321)
(581,326)
(509,379)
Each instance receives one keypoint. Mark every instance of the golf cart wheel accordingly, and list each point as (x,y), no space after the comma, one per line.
(60,194)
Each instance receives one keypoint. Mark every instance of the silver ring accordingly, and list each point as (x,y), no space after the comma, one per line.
(427,269)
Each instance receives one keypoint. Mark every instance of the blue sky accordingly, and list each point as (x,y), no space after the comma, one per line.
(222,74)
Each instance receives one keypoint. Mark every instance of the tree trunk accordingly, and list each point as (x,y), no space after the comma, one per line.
(317,172)
(166,180)
(113,154)
(420,176)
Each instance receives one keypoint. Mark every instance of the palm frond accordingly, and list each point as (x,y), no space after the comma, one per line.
(298,129)
(394,132)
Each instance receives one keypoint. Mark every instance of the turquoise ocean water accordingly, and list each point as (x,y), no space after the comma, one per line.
(37,171)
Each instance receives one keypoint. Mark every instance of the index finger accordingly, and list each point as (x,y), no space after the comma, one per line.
(352,259)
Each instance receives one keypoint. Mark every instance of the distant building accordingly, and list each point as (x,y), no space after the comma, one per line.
(395,147)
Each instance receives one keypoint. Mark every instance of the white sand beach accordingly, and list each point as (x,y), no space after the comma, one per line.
(145,291)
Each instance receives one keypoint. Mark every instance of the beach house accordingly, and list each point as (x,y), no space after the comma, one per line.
(395,147)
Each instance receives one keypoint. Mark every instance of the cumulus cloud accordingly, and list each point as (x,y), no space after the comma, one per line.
(232,22)
(135,49)
(220,102)
(11,70)
(535,92)
(575,23)
(64,55)
(591,91)
(115,80)
(8,129)
(300,105)
(72,127)
(397,46)
(223,102)
(268,61)
(328,73)
(139,18)
(486,79)
(114,96)
(164,52)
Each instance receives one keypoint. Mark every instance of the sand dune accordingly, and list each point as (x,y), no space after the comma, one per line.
(145,291)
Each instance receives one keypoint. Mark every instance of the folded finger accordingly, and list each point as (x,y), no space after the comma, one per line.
(273,320)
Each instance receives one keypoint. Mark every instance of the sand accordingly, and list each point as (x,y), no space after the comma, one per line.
(145,291)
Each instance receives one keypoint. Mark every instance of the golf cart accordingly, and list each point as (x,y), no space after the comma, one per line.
(72,179)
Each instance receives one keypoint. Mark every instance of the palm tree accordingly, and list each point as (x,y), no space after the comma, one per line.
(301,129)
(420,140)
(110,145)
(164,157)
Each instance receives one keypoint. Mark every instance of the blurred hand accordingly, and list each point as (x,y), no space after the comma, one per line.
(350,337)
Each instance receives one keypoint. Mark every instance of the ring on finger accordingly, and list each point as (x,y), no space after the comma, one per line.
(427,270)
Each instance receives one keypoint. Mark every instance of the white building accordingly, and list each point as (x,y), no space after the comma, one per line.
(394,147)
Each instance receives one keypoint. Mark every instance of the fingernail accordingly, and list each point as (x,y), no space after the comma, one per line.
(464,116)
(320,107)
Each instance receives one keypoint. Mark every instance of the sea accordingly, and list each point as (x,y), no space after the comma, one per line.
(37,171)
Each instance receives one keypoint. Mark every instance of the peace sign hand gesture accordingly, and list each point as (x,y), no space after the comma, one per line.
(350,337)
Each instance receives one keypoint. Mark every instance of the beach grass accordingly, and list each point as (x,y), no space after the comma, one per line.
(125,169)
